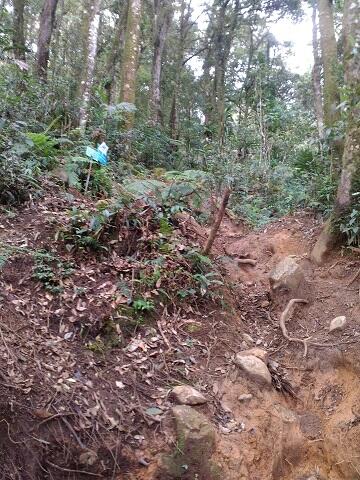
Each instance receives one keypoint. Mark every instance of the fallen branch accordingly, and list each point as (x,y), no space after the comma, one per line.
(247,261)
(216,225)
(71,470)
(354,278)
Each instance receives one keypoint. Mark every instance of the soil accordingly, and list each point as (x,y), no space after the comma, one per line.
(68,412)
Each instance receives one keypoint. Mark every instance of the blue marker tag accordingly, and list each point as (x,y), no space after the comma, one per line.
(96,155)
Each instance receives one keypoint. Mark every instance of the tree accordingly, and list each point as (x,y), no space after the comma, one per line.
(349,184)
(130,59)
(90,61)
(329,61)
(316,75)
(47,21)
(116,51)
(18,30)
(162,18)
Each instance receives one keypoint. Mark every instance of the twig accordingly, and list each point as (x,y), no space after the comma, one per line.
(354,278)
(216,225)
(54,416)
(70,470)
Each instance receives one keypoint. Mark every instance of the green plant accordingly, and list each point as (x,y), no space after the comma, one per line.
(50,270)
(143,305)
(350,226)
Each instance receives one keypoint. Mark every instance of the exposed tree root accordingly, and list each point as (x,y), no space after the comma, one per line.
(286,314)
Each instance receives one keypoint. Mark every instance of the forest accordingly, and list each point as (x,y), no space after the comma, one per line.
(179,240)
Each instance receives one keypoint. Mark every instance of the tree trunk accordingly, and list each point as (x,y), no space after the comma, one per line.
(316,76)
(162,19)
(130,59)
(18,30)
(349,183)
(47,20)
(350,175)
(115,53)
(329,60)
(90,62)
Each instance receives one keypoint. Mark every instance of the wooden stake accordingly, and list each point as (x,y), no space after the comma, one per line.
(218,220)
(88,177)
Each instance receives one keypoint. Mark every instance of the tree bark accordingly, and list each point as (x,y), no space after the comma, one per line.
(47,21)
(115,53)
(316,76)
(90,62)
(130,59)
(349,183)
(18,30)
(217,222)
(162,19)
(329,60)
(350,174)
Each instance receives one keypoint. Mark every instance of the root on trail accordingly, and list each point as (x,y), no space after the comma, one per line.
(286,314)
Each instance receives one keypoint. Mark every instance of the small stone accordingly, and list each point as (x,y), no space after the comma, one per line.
(248,339)
(245,397)
(258,342)
(254,367)
(257,352)
(187,395)
(337,323)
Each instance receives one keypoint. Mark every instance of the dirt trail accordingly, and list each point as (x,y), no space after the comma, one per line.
(315,435)
(44,366)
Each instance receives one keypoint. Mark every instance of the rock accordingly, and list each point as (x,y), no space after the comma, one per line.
(196,441)
(248,339)
(286,274)
(337,323)
(245,397)
(287,416)
(257,352)
(254,367)
(187,395)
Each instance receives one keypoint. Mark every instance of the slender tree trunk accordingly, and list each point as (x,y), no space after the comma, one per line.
(47,20)
(115,53)
(329,60)
(162,19)
(90,62)
(130,59)
(18,30)
(349,184)
(316,76)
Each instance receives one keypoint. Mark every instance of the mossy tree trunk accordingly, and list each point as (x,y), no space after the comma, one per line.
(18,39)
(329,59)
(47,21)
(316,75)
(130,59)
(94,21)
(349,184)
(162,18)
(350,175)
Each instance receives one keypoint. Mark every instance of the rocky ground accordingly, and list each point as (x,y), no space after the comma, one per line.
(235,389)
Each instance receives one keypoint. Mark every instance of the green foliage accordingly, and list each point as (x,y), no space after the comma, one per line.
(349,225)
(50,270)
(143,305)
